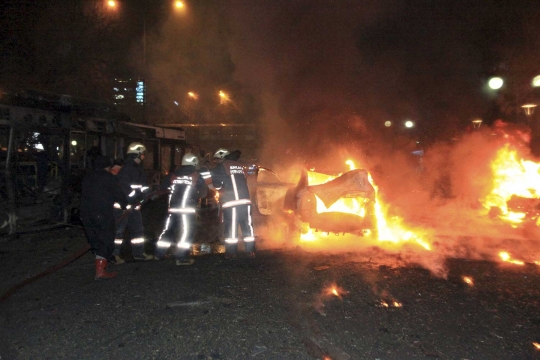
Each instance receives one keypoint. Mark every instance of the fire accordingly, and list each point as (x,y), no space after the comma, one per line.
(536,345)
(334,290)
(512,176)
(389,230)
(393,303)
(468,280)
(507,258)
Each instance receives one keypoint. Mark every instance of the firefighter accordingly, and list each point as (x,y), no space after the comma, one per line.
(133,182)
(187,187)
(229,178)
(100,191)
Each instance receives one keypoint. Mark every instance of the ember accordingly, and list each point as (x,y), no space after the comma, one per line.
(536,345)
(389,304)
(334,290)
(507,258)
(468,280)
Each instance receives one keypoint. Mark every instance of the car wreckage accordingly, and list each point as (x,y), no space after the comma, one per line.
(338,204)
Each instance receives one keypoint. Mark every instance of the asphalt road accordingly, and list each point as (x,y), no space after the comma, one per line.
(278,306)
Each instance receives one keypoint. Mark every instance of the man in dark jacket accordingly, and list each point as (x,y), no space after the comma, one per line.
(133,182)
(100,191)
(229,178)
(187,187)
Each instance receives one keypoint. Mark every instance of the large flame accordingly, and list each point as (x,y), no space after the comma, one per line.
(512,176)
(388,230)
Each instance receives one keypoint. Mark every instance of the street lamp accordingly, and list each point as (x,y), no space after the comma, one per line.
(192,95)
(409,124)
(223,97)
(476,123)
(528,108)
(495,83)
(142,85)
(387,123)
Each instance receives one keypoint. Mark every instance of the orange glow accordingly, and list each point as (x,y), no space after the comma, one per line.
(512,176)
(334,290)
(468,280)
(393,303)
(507,258)
(193,95)
(389,230)
(536,345)
(111,3)
(179,4)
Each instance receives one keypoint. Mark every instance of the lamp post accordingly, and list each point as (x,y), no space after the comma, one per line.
(142,85)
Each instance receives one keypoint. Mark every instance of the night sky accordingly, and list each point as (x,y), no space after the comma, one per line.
(316,70)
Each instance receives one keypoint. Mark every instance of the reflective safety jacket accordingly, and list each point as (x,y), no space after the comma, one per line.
(229,178)
(187,186)
(133,181)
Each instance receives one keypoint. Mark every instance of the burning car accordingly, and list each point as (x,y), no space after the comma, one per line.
(328,203)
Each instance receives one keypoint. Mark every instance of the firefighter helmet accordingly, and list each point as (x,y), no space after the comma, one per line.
(221,153)
(190,159)
(136,148)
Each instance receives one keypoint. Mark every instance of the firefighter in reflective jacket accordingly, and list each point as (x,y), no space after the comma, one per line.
(133,182)
(229,178)
(187,187)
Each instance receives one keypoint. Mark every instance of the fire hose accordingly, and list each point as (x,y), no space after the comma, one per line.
(78,254)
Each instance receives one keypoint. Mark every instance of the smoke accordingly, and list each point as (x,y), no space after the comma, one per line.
(320,78)
(437,197)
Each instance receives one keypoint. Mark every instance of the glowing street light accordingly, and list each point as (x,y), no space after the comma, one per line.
(409,124)
(495,83)
(529,109)
(179,4)
(387,123)
(476,123)
(536,81)
(223,97)
(192,95)
(111,3)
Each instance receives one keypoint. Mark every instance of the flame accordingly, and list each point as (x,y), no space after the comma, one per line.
(389,230)
(536,345)
(512,177)
(334,290)
(468,280)
(390,304)
(507,258)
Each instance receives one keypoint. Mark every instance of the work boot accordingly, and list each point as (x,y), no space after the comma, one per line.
(118,260)
(101,270)
(144,256)
(185,262)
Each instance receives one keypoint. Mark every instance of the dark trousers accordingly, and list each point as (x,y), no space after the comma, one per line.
(234,217)
(179,230)
(100,234)
(132,222)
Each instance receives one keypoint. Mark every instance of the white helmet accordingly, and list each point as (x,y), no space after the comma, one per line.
(190,159)
(136,148)
(221,153)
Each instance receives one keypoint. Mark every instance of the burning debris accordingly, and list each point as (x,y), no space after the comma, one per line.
(389,304)
(468,280)
(507,258)
(334,291)
(348,203)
